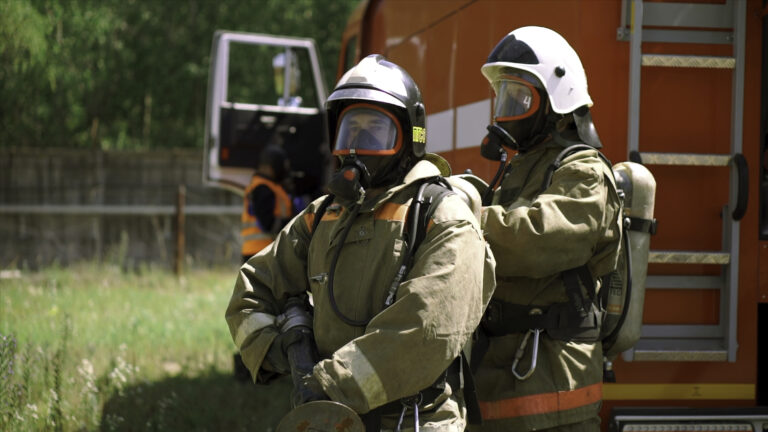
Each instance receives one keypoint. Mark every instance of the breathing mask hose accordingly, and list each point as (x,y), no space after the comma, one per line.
(492,148)
(416,204)
(488,196)
(356,323)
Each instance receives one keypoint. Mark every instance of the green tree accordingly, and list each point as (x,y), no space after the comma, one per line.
(131,73)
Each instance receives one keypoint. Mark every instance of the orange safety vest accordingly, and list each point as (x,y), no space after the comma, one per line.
(254,239)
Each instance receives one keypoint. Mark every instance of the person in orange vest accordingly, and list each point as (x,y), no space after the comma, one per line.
(266,209)
(266,205)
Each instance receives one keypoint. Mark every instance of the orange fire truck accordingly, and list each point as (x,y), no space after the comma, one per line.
(680,87)
(677,86)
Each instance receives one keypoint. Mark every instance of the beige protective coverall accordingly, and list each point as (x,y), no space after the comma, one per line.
(406,346)
(535,236)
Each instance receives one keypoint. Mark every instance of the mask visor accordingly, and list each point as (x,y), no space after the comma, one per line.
(366,129)
(516,99)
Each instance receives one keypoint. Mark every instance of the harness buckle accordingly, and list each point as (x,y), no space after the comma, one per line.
(521,350)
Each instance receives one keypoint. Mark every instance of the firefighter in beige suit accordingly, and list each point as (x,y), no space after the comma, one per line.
(553,227)
(391,313)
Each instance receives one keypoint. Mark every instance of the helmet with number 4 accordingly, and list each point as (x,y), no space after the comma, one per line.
(544,54)
(533,70)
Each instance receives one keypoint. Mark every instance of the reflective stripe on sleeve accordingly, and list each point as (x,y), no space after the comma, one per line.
(541,403)
(254,322)
(364,374)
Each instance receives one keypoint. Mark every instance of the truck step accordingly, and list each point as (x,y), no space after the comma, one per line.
(691,159)
(688,61)
(679,419)
(684,282)
(680,350)
(688,257)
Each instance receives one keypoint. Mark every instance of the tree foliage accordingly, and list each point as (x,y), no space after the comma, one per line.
(132,73)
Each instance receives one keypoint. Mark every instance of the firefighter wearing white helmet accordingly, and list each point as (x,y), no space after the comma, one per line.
(553,227)
(395,298)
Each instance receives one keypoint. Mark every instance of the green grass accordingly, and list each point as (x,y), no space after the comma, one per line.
(93,348)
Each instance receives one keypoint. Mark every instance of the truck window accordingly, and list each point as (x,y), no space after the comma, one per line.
(265,90)
(270,75)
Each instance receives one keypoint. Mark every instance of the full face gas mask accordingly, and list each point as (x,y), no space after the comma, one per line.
(368,143)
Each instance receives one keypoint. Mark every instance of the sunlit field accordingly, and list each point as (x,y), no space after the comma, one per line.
(94,348)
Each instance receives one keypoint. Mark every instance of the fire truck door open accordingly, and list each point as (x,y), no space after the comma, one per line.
(264,90)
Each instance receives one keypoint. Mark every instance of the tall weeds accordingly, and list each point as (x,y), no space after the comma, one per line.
(9,391)
(89,395)
(119,351)
(56,417)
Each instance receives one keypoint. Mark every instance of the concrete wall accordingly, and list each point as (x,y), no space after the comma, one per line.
(62,206)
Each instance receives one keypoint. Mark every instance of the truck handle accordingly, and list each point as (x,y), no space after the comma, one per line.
(742,192)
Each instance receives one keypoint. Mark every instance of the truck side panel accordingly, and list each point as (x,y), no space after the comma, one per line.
(444,44)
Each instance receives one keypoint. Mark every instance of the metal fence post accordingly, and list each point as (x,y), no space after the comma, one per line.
(180,221)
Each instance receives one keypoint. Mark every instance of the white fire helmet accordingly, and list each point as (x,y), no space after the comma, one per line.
(548,56)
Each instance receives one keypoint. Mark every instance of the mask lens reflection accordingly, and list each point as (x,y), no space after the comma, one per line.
(515,99)
(365,130)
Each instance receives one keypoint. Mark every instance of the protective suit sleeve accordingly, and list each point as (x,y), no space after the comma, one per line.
(264,282)
(562,227)
(409,344)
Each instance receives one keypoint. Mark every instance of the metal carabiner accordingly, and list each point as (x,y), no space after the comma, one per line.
(521,350)
(410,402)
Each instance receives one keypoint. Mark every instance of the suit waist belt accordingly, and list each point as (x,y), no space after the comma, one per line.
(541,403)
(560,320)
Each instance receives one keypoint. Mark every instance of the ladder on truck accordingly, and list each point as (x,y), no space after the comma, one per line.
(693,23)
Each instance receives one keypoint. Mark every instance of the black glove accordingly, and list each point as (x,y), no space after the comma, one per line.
(276,360)
(277,357)
(309,390)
